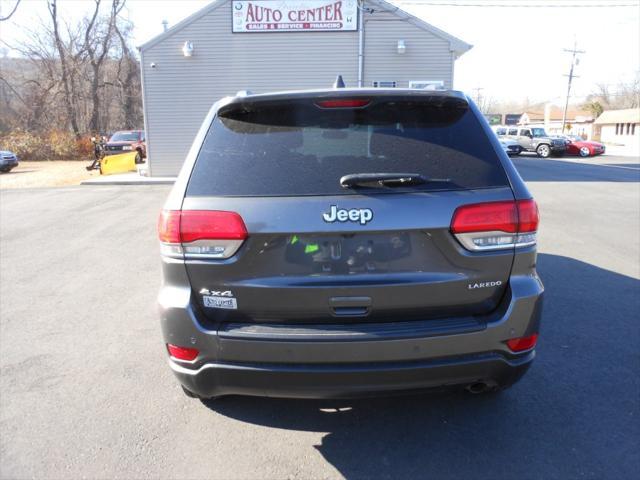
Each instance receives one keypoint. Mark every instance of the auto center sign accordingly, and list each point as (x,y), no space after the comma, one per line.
(253,16)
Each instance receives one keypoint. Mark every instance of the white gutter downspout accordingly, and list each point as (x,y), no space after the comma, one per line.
(361,44)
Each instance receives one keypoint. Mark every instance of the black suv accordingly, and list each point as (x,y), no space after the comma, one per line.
(343,242)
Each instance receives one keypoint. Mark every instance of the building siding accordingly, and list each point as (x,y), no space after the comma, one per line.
(427,56)
(179,91)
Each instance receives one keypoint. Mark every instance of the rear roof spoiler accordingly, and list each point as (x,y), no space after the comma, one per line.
(405,93)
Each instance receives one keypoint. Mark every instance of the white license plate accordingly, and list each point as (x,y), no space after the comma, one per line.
(220,302)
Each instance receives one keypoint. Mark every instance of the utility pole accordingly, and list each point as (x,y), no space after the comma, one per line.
(574,62)
(478,96)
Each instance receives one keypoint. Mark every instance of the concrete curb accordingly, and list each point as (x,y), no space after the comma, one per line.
(128,182)
(129,179)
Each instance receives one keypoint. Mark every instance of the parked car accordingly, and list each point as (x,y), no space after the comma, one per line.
(585,148)
(125,141)
(533,140)
(510,147)
(341,242)
(8,161)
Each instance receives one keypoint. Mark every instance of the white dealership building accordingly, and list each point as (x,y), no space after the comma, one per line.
(269,45)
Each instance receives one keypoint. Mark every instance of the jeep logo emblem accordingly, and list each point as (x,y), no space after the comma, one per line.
(358,215)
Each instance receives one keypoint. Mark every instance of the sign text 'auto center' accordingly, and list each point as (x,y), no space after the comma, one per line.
(301,15)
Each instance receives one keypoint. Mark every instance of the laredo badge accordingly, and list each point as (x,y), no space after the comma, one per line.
(219,299)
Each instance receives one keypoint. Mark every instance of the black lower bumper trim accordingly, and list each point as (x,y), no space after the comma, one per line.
(350,380)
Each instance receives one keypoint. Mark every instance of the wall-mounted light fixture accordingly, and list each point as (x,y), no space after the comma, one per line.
(402,47)
(187,49)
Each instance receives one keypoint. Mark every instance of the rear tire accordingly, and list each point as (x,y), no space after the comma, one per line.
(543,150)
(5,170)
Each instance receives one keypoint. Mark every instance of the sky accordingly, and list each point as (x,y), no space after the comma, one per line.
(517,52)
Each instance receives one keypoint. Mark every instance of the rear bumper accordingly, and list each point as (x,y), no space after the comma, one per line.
(326,361)
(350,380)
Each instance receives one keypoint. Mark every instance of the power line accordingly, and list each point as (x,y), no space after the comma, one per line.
(15,7)
(574,62)
(518,5)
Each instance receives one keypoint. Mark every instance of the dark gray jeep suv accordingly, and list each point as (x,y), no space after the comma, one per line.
(344,242)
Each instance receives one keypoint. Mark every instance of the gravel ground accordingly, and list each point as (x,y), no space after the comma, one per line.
(47,174)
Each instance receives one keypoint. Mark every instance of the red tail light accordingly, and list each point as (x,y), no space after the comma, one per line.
(182,353)
(523,343)
(528,215)
(496,225)
(200,233)
(211,225)
(343,103)
(486,217)
(169,226)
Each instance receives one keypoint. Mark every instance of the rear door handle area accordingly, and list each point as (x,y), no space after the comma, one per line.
(350,306)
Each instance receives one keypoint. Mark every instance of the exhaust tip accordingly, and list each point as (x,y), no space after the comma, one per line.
(478,387)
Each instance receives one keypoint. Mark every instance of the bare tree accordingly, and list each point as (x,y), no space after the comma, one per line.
(624,95)
(128,78)
(97,42)
(82,76)
(66,78)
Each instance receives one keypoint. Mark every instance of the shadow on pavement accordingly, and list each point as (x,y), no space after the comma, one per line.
(575,414)
(13,172)
(553,170)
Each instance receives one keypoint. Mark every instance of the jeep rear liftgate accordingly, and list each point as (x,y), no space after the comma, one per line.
(320,210)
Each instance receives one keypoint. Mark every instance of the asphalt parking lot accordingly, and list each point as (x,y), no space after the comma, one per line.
(85,391)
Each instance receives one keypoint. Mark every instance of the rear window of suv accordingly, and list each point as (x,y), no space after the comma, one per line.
(299,148)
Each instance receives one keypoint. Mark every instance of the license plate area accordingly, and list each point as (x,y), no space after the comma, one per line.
(225,303)
(347,253)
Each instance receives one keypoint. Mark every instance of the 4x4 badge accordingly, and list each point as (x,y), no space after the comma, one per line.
(359,215)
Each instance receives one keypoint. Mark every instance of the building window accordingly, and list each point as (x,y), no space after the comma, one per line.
(628,128)
(617,126)
(633,129)
(385,84)
(426,84)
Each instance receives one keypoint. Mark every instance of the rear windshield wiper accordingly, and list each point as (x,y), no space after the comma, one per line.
(386,180)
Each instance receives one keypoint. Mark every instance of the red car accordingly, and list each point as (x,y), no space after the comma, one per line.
(585,148)
(127,141)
